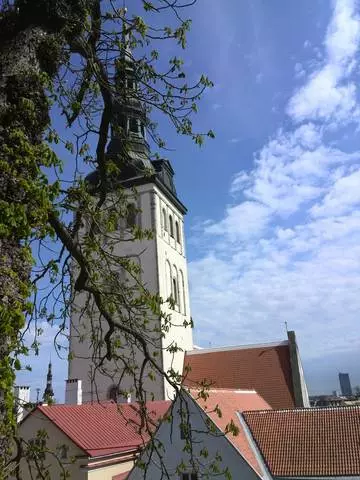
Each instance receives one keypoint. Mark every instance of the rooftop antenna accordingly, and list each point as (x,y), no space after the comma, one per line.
(286,326)
(37,394)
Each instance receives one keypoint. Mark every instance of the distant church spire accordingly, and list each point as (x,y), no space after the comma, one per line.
(49,392)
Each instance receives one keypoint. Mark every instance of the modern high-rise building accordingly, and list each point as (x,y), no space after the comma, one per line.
(345,384)
(162,258)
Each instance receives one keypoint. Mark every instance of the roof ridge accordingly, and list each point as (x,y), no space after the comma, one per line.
(227,390)
(304,409)
(249,346)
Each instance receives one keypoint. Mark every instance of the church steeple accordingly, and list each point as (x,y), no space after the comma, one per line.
(129,119)
(49,392)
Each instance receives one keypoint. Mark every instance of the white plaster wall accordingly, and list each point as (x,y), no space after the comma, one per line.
(107,473)
(173,252)
(215,443)
(38,421)
(151,255)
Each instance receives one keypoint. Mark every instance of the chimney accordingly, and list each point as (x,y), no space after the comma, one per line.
(22,398)
(73,392)
(299,384)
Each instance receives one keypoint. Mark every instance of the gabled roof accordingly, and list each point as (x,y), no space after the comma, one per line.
(230,402)
(312,442)
(103,428)
(265,368)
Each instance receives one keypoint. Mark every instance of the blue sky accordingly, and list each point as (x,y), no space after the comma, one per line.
(273,229)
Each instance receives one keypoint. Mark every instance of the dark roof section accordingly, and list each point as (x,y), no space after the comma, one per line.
(264,368)
(103,428)
(310,442)
(134,175)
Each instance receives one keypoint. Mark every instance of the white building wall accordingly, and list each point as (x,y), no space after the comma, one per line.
(152,256)
(22,398)
(169,435)
(172,261)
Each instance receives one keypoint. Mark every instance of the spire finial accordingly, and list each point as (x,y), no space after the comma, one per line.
(49,392)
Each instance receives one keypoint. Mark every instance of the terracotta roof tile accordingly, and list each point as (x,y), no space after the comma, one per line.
(121,476)
(308,442)
(266,369)
(103,428)
(230,402)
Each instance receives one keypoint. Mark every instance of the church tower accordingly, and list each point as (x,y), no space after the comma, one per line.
(162,259)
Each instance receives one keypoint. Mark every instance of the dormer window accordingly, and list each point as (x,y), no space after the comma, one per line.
(171,226)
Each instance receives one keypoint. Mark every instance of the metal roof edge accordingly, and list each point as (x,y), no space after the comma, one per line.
(253,445)
(237,347)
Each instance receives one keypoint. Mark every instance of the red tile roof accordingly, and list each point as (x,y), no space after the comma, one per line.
(121,476)
(316,442)
(230,402)
(264,368)
(103,428)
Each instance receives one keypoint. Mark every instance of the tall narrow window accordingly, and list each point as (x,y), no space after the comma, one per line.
(131,84)
(164,219)
(175,291)
(177,231)
(131,216)
(171,226)
(134,127)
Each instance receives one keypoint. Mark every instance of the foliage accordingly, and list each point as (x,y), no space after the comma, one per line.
(69,56)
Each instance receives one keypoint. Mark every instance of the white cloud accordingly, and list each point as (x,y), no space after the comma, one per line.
(329,94)
(288,248)
(241,221)
(342,198)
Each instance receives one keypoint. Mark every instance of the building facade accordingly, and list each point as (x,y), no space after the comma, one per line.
(345,385)
(161,259)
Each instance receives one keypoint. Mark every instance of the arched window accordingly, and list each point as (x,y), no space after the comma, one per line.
(177,230)
(134,127)
(175,291)
(175,286)
(164,219)
(113,393)
(131,83)
(130,216)
(171,226)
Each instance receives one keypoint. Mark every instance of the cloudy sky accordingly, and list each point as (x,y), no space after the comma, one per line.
(273,230)
(276,237)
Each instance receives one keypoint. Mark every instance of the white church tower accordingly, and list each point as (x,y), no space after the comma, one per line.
(162,258)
